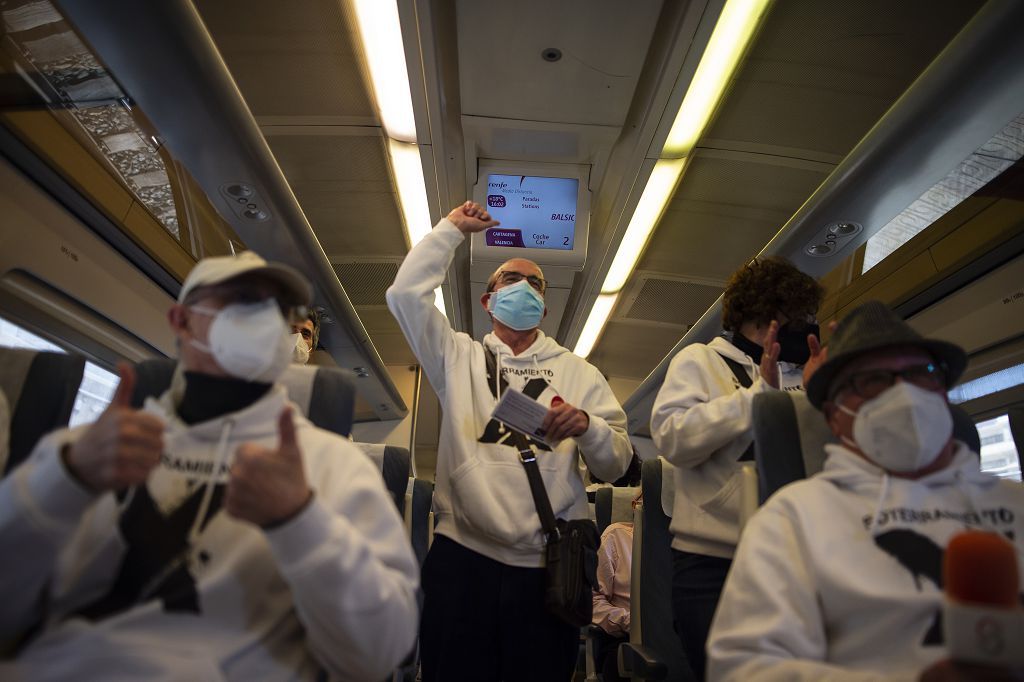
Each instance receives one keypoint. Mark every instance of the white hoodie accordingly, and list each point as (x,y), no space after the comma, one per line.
(482,499)
(333,587)
(838,576)
(701,424)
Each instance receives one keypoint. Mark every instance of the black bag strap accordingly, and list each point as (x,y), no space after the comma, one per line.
(740,371)
(529,459)
(746,382)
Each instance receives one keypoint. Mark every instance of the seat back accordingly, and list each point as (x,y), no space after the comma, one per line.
(651,581)
(395,465)
(324,395)
(418,500)
(40,388)
(790,438)
(614,505)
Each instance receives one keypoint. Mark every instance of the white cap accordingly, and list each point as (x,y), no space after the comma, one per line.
(223,268)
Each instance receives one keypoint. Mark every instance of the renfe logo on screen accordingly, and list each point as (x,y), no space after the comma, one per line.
(535,212)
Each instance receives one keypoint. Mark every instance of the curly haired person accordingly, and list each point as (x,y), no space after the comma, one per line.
(701,423)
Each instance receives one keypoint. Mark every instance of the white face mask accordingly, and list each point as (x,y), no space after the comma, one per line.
(300,351)
(903,429)
(250,341)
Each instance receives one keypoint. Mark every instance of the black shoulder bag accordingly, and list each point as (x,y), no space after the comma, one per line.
(570,550)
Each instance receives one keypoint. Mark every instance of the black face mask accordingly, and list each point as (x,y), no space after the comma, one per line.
(793,342)
(754,350)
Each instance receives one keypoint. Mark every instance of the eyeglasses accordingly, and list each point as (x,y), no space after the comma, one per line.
(870,383)
(506,277)
(227,294)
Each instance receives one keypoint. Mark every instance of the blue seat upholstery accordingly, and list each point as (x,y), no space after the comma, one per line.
(653,651)
(419,517)
(40,388)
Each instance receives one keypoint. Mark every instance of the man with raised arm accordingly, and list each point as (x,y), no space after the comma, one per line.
(483,581)
(213,534)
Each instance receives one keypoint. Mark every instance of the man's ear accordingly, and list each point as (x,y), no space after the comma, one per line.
(177,318)
(545,313)
(830,411)
(483,300)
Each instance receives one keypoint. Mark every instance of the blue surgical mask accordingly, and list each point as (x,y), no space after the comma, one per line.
(517,306)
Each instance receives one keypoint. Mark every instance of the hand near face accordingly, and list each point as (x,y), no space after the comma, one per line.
(122,447)
(770,356)
(471,217)
(564,421)
(819,353)
(268,485)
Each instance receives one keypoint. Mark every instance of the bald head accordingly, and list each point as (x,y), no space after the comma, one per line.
(523,266)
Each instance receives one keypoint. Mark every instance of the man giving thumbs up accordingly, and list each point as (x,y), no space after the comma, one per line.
(214,534)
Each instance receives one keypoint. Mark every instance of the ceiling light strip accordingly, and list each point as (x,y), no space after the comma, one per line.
(595,324)
(381,34)
(729,41)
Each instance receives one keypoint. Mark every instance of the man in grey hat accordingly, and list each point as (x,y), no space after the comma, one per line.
(214,534)
(840,576)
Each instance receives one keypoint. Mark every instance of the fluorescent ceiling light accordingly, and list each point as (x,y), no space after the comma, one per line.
(412,192)
(652,203)
(595,324)
(381,34)
(728,42)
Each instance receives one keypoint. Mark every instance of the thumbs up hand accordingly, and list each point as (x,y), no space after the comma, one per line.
(268,485)
(121,447)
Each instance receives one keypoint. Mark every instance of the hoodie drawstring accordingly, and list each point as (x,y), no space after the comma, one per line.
(204,505)
(211,482)
(882,494)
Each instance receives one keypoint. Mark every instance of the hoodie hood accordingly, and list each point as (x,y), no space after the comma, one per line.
(846,469)
(543,348)
(255,422)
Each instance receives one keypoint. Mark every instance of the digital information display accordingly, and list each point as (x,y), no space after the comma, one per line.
(535,212)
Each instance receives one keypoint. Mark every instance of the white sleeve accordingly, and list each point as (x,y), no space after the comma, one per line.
(411,299)
(604,445)
(353,577)
(40,508)
(687,425)
(769,625)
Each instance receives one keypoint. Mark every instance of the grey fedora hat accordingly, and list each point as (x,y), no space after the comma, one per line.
(873,327)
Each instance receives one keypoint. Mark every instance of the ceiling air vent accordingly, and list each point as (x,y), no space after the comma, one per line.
(366,281)
(672,302)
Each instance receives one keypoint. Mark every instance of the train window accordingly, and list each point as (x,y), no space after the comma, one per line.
(998,451)
(988,384)
(98,384)
(986,164)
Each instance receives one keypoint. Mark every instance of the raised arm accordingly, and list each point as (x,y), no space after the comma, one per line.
(411,296)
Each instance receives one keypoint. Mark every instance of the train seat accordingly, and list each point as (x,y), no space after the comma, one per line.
(614,505)
(653,651)
(790,438)
(40,389)
(325,395)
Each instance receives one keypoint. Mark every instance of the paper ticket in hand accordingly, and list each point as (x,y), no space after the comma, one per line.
(521,412)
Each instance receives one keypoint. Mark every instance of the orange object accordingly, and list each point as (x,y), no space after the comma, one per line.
(981,568)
